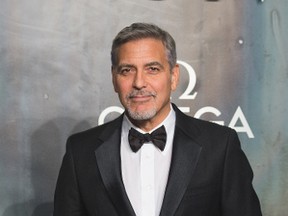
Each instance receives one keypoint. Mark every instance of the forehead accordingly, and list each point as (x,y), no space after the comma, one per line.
(142,49)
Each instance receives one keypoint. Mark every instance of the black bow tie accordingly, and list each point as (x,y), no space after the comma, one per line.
(137,139)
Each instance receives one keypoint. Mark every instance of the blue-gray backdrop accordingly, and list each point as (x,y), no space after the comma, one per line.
(55,80)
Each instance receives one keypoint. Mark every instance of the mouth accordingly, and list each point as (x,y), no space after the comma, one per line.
(141,96)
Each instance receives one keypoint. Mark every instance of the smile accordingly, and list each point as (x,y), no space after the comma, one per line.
(141,96)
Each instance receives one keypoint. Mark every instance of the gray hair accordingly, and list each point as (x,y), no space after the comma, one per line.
(138,31)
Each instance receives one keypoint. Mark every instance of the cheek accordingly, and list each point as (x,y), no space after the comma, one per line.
(115,84)
(163,90)
(122,89)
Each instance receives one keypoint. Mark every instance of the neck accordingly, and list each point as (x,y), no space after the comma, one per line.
(149,124)
(145,125)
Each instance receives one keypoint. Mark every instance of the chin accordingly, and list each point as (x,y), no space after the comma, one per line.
(141,115)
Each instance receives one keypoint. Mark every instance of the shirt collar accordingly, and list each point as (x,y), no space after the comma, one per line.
(168,122)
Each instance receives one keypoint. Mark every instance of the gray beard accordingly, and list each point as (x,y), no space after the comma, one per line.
(145,115)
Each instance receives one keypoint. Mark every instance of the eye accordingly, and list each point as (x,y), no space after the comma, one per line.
(124,71)
(153,69)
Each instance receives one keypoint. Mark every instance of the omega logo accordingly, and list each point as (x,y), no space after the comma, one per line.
(190,94)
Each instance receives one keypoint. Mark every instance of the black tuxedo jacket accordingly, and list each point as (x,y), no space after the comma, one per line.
(209,173)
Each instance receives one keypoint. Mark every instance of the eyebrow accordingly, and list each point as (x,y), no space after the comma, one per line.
(119,67)
(155,63)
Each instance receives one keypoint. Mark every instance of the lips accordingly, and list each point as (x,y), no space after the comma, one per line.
(140,98)
(141,95)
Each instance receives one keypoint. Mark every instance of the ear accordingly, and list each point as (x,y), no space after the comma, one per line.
(113,72)
(175,77)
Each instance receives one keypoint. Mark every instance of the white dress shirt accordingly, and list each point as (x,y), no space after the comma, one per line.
(145,173)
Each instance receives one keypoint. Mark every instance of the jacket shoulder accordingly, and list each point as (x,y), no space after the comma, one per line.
(198,126)
(96,134)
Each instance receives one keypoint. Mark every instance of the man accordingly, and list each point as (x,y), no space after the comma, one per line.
(153,159)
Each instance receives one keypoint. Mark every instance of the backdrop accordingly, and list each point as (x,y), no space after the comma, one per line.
(55,80)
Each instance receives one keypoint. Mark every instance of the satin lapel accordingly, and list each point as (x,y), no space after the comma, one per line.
(108,160)
(184,159)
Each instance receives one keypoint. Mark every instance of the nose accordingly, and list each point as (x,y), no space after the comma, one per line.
(139,81)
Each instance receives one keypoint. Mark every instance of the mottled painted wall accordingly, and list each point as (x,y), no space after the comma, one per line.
(55,80)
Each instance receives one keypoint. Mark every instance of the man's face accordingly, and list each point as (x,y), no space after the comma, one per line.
(143,80)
